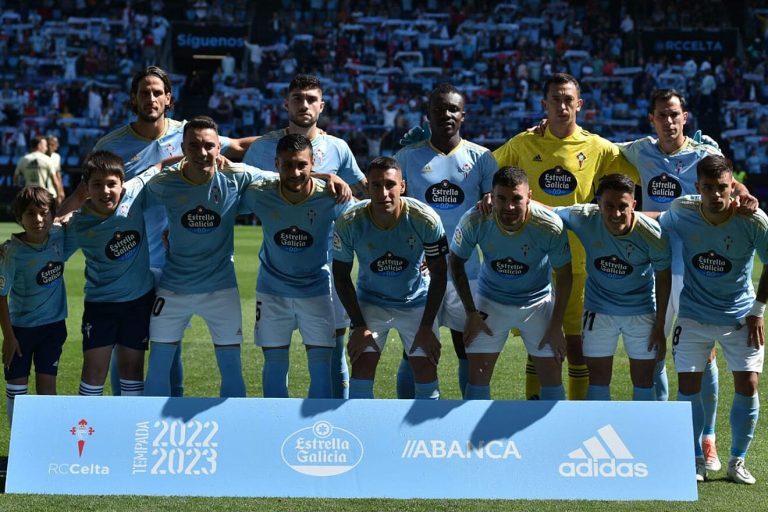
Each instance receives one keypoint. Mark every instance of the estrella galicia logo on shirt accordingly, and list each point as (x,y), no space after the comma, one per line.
(293,239)
(613,267)
(200,220)
(389,265)
(122,245)
(509,268)
(711,264)
(444,195)
(50,274)
(557,181)
(664,188)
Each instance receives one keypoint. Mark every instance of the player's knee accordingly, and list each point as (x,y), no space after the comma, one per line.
(365,366)
(423,370)
(746,383)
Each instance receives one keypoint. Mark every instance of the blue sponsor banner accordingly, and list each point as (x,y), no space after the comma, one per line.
(352,449)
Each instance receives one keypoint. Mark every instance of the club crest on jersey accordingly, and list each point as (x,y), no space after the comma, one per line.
(728,242)
(444,196)
(170,149)
(679,167)
(581,157)
(466,169)
(293,239)
(311,214)
(711,264)
(336,242)
(613,267)
(200,220)
(216,194)
(123,210)
(411,242)
(50,274)
(557,181)
(319,155)
(664,188)
(122,245)
(509,268)
(389,265)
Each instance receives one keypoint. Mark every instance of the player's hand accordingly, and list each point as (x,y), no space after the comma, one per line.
(705,139)
(485,204)
(11,349)
(658,341)
(746,204)
(755,335)
(540,129)
(555,338)
(474,324)
(359,340)
(425,339)
(339,189)
(64,219)
(223,162)
(416,134)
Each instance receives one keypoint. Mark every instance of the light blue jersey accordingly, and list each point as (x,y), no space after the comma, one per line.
(517,265)
(332,155)
(389,259)
(619,268)
(717,284)
(139,154)
(294,250)
(33,276)
(115,247)
(201,221)
(666,177)
(451,184)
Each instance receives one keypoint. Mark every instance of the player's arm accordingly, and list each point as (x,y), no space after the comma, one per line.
(663,288)
(58,185)
(336,186)
(10,344)
(554,334)
(475,321)
(360,337)
(425,336)
(360,189)
(72,202)
(237,147)
(746,203)
(756,335)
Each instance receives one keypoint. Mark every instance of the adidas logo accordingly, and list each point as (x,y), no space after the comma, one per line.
(604,455)
(537,158)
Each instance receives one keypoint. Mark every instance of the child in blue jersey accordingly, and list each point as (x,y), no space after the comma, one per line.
(199,274)
(304,103)
(293,287)
(391,236)
(522,243)
(32,276)
(626,255)
(450,174)
(119,286)
(718,303)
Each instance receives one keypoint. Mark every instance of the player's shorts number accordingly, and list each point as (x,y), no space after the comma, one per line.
(589,318)
(676,335)
(258,310)
(158,306)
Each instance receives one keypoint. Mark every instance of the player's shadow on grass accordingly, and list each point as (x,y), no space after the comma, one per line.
(187,408)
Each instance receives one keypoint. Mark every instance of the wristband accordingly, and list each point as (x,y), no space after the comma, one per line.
(758,308)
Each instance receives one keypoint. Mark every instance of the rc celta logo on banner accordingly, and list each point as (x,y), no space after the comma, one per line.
(82,432)
(322,450)
(603,456)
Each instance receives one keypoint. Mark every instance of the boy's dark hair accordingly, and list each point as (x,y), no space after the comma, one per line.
(383,163)
(200,123)
(509,176)
(618,182)
(713,166)
(294,143)
(37,196)
(157,73)
(103,163)
(302,82)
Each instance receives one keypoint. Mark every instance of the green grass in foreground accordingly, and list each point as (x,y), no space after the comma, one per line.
(201,379)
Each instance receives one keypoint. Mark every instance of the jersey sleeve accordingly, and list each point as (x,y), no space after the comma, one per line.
(488,168)
(667,220)
(343,246)
(249,201)
(349,171)
(564,212)
(340,209)
(433,236)
(71,239)
(559,250)
(464,238)
(661,254)
(615,163)
(761,238)
(506,154)
(7,269)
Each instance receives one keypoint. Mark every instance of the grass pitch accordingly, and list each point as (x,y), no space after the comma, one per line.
(201,379)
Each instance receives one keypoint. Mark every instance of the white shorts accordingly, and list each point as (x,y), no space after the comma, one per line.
(277,317)
(693,341)
(451,313)
(406,321)
(220,310)
(341,319)
(674,304)
(600,333)
(532,322)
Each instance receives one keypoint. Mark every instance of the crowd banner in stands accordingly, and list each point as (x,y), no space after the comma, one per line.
(352,448)
(190,40)
(701,45)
